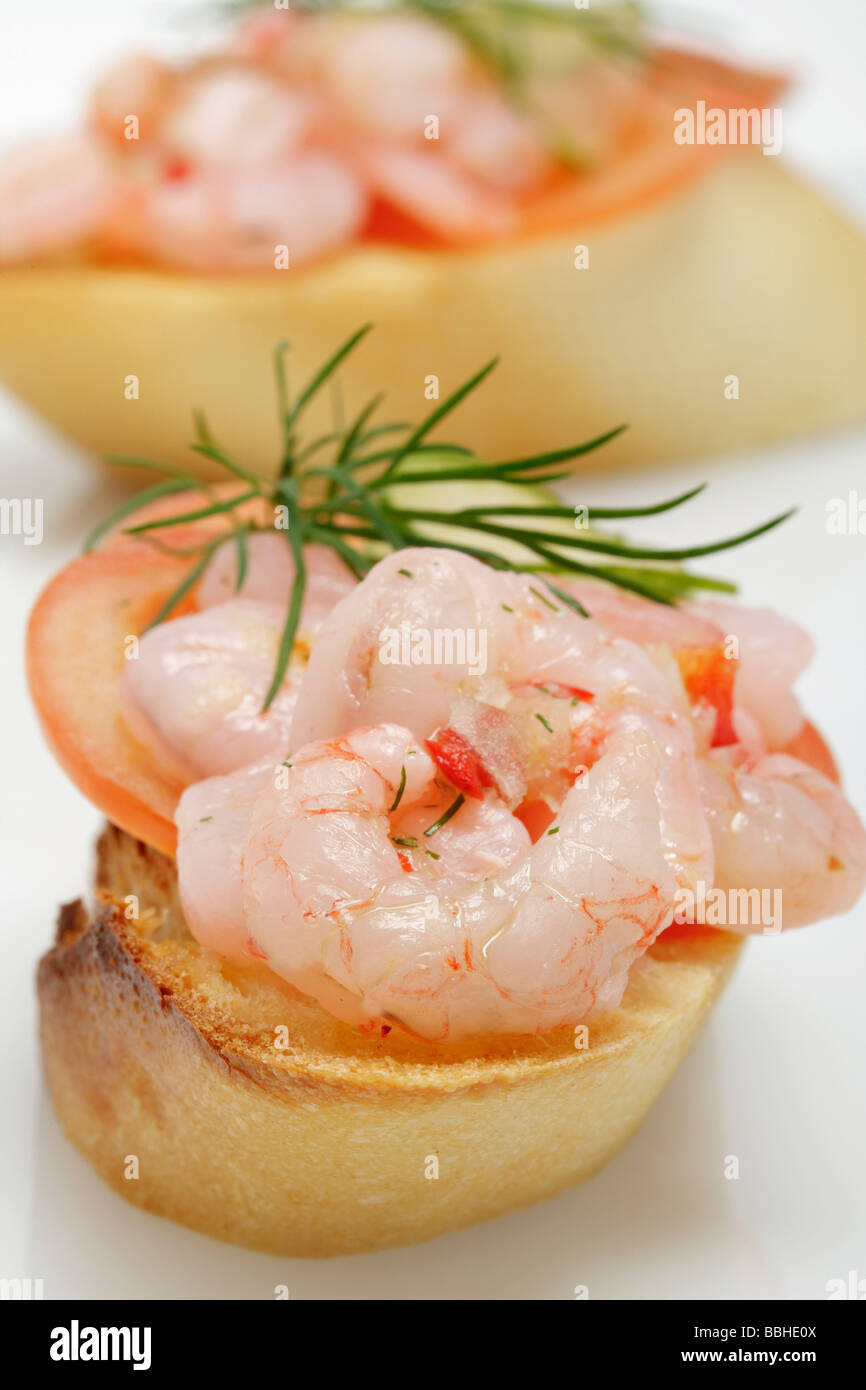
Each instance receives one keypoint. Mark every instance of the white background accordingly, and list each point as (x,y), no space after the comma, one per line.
(776,1078)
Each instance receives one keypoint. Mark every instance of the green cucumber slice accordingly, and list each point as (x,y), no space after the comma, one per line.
(452,496)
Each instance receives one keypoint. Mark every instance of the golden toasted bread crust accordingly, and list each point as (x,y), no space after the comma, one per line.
(216,1095)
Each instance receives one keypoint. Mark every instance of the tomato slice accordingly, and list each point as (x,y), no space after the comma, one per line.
(387,223)
(76,649)
(76,646)
(188,534)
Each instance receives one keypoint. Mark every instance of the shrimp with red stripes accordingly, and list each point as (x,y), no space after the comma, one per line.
(485,840)
(370,889)
(556,686)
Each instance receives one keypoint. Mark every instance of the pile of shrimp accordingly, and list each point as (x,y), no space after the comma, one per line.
(305,132)
(414,836)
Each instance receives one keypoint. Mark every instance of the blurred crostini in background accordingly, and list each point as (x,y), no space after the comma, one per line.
(538,181)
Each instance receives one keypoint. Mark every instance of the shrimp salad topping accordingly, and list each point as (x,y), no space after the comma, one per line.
(314,126)
(470,809)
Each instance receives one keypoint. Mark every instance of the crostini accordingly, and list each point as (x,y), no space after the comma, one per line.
(468,176)
(437,817)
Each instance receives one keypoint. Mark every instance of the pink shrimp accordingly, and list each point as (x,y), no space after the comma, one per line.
(434,135)
(382,926)
(53,193)
(270,574)
(196,688)
(770,651)
(138,86)
(389,75)
(778,824)
(372,886)
(245,219)
(368,888)
(497,145)
(775,822)
(213,820)
(436,193)
(303,125)
(428,625)
(237,117)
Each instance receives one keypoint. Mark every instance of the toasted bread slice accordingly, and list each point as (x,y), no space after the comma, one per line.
(216,1095)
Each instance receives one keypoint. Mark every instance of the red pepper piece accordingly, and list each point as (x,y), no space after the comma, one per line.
(177,169)
(459,761)
(708,675)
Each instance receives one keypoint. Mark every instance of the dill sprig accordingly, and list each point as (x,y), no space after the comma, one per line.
(354,505)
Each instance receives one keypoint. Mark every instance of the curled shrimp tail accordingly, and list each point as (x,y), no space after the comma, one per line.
(781,826)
